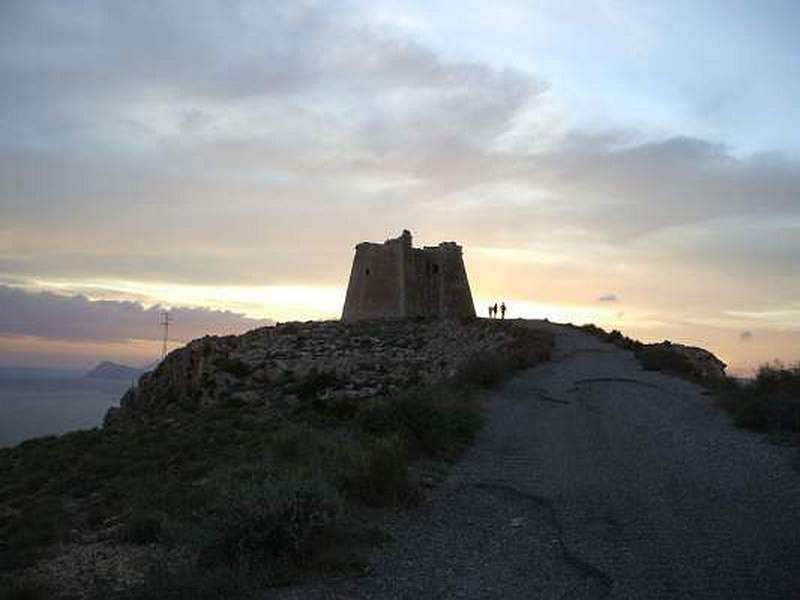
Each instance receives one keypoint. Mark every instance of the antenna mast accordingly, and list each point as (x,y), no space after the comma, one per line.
(166,319)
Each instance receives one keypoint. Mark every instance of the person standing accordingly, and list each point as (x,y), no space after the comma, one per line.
(502,310)
(494,310)
(491,311)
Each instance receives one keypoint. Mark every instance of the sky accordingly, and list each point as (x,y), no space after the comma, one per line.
(631,164)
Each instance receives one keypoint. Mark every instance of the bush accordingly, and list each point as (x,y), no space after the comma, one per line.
(314,383)
(430,426)
(484,369)
(312,448)
(377,474)
(234,366)
(264,521)
(40,523)
(335,409)
(289,443)
(141,529)
(12,589)
(529,347)
(778,379)
(747,411)
(663,358)
(769,403)
(614,337)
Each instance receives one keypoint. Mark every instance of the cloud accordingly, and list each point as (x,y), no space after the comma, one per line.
(129,128)
(607,298)
(293,75)
(136,125)
(51,316)
(746,336)
(253,144)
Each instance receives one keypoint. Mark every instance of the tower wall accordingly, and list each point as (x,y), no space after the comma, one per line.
(393,280)
(455,297)
(377,281)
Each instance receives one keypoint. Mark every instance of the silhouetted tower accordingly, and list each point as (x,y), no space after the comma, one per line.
(166,319)
(396,280)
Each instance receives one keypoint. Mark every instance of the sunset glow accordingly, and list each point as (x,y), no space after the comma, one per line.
(598,164)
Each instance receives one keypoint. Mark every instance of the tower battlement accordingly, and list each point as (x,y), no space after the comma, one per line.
(394,280)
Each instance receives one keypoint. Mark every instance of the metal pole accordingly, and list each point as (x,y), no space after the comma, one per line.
(165,321)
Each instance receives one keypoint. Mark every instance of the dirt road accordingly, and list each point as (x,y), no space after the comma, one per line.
(595,479)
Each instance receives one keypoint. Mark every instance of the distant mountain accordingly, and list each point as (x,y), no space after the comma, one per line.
(112,370)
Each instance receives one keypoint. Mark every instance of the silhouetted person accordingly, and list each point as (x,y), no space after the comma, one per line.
(491,311)
(502,310)
(494,310)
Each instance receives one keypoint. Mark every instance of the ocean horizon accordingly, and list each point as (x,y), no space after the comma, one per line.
(36,402)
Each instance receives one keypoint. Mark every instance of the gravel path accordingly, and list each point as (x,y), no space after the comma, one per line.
(595,479)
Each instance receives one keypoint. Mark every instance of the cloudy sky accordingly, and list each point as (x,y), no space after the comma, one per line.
(633,164)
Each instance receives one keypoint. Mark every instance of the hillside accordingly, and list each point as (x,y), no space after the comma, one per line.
(268,452)
(598,476)
(322,459)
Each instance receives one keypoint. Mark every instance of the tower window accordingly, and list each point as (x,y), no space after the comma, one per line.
(435,269)
(367,271)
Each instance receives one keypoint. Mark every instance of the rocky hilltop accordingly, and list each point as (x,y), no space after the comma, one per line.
(273,453)
(264,449)
(275,368)
(688,361)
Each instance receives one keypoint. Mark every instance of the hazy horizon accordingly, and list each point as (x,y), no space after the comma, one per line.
(627,164)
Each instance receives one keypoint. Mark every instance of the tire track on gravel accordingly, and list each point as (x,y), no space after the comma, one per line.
(571,558)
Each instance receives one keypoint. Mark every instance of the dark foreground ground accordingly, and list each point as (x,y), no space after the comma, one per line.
(596,479)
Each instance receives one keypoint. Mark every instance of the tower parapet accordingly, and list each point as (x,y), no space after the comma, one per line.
(396,280)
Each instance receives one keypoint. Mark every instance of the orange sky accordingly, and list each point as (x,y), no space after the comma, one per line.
(493,278)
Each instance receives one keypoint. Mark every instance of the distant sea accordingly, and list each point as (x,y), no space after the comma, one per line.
(36,402)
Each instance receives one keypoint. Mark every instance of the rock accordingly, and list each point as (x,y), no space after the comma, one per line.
(705,364)
(278,367)
(688,360)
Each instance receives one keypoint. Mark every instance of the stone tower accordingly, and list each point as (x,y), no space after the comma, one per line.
(396,280)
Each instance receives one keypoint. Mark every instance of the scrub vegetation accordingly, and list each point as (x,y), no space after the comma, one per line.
(230,497)
(253,494)
(769,403)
